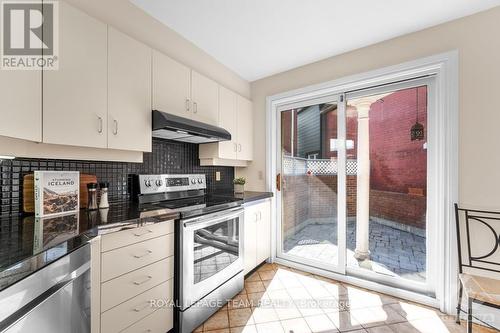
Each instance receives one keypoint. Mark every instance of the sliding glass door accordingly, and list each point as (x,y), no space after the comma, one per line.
(354,184)
(310,230)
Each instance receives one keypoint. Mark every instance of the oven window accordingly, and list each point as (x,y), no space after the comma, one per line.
(215,247)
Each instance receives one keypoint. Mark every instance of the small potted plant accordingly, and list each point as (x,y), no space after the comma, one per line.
(239,184)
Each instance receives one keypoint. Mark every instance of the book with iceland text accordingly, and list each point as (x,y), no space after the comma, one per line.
(56,193)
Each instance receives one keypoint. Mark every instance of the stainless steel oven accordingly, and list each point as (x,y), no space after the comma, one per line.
(211,264)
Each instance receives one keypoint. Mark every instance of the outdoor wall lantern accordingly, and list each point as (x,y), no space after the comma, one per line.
(417,130)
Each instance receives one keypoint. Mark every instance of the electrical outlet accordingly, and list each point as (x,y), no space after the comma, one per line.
(261,175)
(217,176)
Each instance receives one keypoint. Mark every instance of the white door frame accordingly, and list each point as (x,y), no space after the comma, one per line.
(445,69)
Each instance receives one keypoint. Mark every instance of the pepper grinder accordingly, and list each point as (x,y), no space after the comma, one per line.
(92,196)
(104,203)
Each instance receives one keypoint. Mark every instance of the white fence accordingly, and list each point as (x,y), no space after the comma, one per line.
(302,166)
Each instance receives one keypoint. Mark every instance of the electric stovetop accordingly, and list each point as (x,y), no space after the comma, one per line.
(195,206)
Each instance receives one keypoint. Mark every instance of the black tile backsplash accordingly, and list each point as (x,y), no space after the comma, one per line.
(166,157)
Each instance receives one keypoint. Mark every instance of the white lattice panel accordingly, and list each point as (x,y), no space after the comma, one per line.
(301,166)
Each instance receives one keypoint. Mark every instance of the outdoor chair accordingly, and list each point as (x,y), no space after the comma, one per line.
(479,259)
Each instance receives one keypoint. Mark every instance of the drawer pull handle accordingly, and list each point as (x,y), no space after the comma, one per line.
(143,255)
(141,308)
(142,234)
(138,283)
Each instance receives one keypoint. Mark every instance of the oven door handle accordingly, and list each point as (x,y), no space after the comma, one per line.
(208,220)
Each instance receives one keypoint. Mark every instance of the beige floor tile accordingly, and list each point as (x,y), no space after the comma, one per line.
(344,321)
(379,329)
(369,317)
(254,286)
(267,275)
(329,304)
(309,307)
(274,327)
(264,315)
(255,299)
(297,325)
(432,325)
(403,328)
(299,294)
(317,291)
(224,330)
(239,301)
(267,267)
(393,317)
(244,329)
(278,295)
(240,317)
(286,310)
(413,311)
(320,324)
(198,329)
(217,321)
(274,284)
(253,277)
(376,316)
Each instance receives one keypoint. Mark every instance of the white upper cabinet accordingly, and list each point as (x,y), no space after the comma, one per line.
(205,98)
(245,128)
(171,86)
(228,121)
(129,93)
(235,116)
(75,96)
(21,104)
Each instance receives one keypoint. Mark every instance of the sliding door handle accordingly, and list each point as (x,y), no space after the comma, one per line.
(278,181)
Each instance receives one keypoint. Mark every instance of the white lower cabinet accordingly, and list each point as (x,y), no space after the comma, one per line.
(257,234)
(153,323)
(135,271)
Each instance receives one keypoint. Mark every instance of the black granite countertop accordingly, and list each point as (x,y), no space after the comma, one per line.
(28,243)
(250,196)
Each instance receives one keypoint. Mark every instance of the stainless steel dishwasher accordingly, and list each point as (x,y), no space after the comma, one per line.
(54,299)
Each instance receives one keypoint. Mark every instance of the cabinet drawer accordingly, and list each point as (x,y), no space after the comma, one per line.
(133,310)
(160,321)
(129,258)
(135,235)
(134,283)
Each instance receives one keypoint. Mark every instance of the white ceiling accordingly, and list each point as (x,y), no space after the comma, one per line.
(258,38)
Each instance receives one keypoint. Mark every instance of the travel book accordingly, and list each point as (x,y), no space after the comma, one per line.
(56,193)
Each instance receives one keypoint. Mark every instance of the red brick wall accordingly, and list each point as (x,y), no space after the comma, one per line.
(398,207)
(397,163)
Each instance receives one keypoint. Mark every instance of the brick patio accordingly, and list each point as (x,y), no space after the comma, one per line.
(394,252)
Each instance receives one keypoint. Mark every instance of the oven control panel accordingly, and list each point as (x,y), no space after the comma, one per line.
(171,183)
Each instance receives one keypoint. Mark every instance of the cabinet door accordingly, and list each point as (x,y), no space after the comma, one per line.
(264,227)
(171,86)
(75,96)
(245,129)
(228,121)
(129,93)
(205,95)
(21,104)
(250,234)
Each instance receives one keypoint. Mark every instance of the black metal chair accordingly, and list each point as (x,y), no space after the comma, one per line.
(475,257)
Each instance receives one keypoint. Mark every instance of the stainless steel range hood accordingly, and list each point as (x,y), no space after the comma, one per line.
(169,126)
